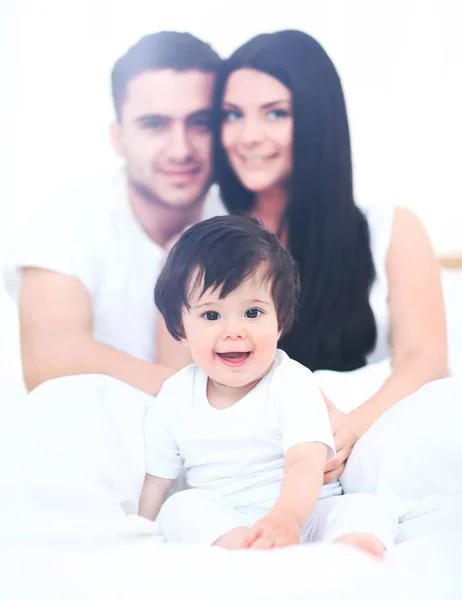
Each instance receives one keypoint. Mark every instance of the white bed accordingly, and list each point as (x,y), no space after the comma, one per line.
(142,570)
(75,467)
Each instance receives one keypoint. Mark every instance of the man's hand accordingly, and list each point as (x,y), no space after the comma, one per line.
(277,529)
(345,437)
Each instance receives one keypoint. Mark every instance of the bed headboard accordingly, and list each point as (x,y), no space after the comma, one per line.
(453,261)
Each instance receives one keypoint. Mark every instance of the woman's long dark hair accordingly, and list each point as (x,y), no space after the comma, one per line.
(328,235)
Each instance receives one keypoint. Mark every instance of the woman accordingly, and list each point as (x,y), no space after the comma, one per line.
(370,283)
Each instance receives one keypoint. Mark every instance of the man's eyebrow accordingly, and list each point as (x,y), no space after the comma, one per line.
(146,118)
(151,117)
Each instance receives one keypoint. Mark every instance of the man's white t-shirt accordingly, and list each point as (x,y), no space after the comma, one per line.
(239,451)
(92,234)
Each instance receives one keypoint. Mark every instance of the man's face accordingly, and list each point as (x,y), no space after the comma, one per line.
(165,136)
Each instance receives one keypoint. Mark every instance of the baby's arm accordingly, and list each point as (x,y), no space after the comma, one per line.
(301,486)
(162,455)
(303,478)
(152,495)
(307,442)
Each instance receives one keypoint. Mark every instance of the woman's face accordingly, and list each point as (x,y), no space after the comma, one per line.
(257,129)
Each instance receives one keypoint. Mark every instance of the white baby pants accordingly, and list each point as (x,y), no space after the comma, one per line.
(202,516)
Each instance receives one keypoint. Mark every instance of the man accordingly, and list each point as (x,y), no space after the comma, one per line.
(85,276)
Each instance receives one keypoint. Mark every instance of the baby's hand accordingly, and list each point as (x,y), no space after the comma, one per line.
(277,529)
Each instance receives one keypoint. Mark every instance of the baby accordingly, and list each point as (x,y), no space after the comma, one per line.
(247,424)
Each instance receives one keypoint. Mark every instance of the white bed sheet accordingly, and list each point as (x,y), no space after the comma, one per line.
(74,469)
(141,569)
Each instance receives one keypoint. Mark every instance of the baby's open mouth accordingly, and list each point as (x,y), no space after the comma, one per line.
(233,358)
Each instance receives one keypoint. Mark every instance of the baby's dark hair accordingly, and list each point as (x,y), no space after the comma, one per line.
(223,252)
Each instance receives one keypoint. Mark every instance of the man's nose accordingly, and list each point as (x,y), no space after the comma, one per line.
(179,144)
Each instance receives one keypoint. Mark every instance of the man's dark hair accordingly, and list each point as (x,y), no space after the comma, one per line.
(163,50)
(221,253)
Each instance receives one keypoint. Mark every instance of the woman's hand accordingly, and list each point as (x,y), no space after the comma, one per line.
(345,437)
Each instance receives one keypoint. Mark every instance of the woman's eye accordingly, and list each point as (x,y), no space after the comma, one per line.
(253,313)
(211,315)
(231,115)
(277,113)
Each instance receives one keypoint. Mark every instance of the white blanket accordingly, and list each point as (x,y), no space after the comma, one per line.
(72,467)
(141,569)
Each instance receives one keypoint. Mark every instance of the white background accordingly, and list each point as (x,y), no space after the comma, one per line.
(400,62)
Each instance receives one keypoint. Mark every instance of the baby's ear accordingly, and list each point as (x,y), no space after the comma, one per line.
(279,335)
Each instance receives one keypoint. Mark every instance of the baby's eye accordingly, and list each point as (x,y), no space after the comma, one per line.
(253,313)
(211,315)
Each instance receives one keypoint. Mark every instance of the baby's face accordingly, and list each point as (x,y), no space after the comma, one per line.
(233,339)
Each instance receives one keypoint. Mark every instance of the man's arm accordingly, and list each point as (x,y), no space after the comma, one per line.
(55,316)
(170,352)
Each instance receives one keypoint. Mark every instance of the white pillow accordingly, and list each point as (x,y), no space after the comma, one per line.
(412,456)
